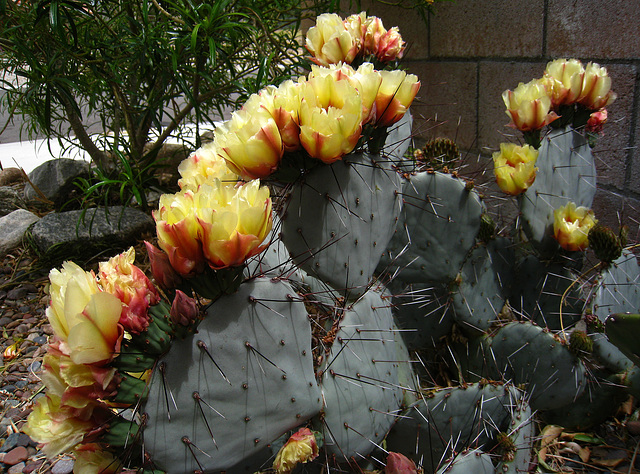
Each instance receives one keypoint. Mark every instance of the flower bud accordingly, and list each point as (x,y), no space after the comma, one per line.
(571,226)
(596,121)
(184,310)
(399,464)
(514,167)
(161,268)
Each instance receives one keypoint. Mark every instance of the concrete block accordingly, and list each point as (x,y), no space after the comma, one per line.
(500,28)
(593,29)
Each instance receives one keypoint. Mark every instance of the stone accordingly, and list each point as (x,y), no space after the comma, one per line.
(10,443)
(63,466)
(69,235)
(17,468)
(11,176)
(54,180)
(13,227)
(17,293)
(16,455)
(10,200)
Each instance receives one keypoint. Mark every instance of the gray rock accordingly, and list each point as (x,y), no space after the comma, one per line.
(63,466)
(10,200)
(11,176)
(12,229)
(54,179)
(66,235)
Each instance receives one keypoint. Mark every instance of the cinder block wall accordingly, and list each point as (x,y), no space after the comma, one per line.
(472,50)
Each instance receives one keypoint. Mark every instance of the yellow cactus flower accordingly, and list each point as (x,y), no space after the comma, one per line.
(331,42)
(330,118)
(596,88)
(571,226)
(301,447)
(250,142)
(529,106)
(177,231)
(514,167)
(58,427)
(391,46)
(203,164)
(395,95)
(83,317)
(365,79)
(282,103)
(120,277)
(92,459)
(233,222)
(374,30)
(563,78)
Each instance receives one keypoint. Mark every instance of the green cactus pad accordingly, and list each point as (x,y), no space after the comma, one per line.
(524,353)
(424,313)
(600,400)
(617,291)
(260,339)
(515,443)
(361,380)
(483,286)
(540,288)
(471,461)
(439,222)
(450,420)
(340,218)
(623,331)
(566,173)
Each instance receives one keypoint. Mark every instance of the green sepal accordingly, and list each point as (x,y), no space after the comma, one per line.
(133,360)
(121,433)
(154,340)
(131,390)
(623,331)
(212,284)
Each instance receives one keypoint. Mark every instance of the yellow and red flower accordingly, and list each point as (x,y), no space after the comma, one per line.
(563,79)
(596,88)
(205,163)
(395,95)
(331,42)
(58,427)
(120,277)
(571,226)
(91,458)
(83,317)
(529,106)
(330,118)
(177,230)
(301,447)
(232,222)
(250,142)
(514,167)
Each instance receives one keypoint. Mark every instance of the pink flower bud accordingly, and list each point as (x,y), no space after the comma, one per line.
(399,464)
(596,121)
(184,310)
(164,274)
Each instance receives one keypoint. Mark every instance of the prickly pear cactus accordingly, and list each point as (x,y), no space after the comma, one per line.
(222,395)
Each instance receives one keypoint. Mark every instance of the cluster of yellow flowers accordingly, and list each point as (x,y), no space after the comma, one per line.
(89,316)
(566,82)
(334,40)
(322,114)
